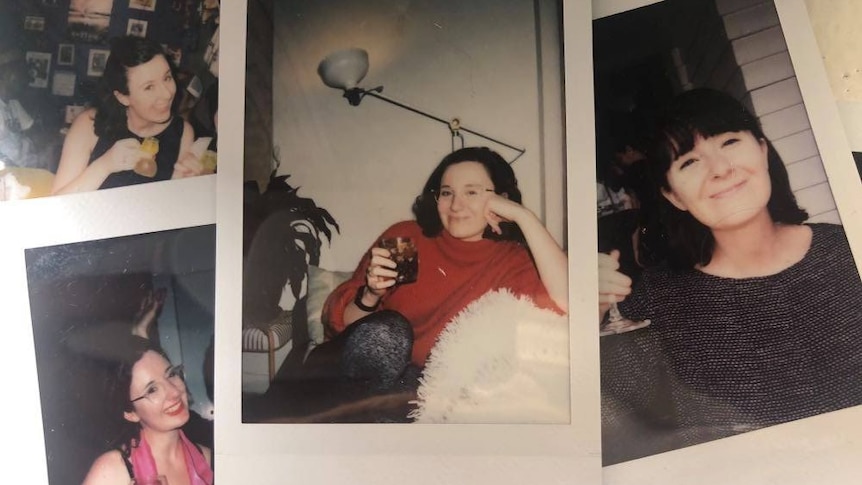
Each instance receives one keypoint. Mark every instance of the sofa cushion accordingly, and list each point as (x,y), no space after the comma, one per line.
(321,282)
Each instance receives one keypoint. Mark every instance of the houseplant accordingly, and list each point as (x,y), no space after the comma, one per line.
(283,234)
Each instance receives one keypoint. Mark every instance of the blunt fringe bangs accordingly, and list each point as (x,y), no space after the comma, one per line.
(706,113)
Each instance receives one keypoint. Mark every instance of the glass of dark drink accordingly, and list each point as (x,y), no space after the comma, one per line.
(406,258)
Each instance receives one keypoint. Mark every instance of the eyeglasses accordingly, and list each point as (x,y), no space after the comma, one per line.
(471,194)
(157,391)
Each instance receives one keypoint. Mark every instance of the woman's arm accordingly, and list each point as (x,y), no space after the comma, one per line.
(108,469)
(551,262)
(75,172)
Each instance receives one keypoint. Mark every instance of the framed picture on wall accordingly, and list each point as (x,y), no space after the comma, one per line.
(63,84)
(89,21)
(66,55)
(96,61)
(34,23)
(149,5)
(38,66)
(136,27)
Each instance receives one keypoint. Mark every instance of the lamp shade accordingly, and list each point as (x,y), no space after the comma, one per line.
(344,69)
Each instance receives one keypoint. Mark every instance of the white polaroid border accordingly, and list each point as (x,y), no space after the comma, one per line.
(399,453)
(820,449)
(66,219)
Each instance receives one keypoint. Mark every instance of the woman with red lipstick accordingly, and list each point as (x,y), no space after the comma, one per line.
(136,102)
(472,236)
(151,396)
(756,317)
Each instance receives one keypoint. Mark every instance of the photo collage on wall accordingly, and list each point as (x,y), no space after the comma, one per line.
(360,310)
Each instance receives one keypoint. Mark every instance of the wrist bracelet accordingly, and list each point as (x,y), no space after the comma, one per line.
(360,292)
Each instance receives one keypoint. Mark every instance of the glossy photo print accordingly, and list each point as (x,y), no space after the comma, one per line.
(723,252)
(146,74)
(414,281)
(333,170)
(123,332)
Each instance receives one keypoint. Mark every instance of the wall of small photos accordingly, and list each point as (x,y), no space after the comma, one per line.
(65,44)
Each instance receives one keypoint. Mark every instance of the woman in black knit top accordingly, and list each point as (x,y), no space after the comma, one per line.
(756,317)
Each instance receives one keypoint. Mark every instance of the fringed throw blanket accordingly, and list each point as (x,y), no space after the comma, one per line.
(501,360)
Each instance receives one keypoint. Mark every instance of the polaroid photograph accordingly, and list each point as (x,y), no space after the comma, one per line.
(289,339)
(74,284)
(34,23)
(122,327)
(149,5)
(96,61)
(38,67)
(66,55)
(136,27)
(702,135)
(89,20)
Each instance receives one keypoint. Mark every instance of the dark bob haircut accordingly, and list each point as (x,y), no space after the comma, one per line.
(502,176)
(706,113)
(126,52)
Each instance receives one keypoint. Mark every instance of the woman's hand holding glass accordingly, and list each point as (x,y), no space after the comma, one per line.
(381,274)
(614,286)
(124,155)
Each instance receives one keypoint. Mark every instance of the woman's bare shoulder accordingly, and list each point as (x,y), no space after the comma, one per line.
(84,125)
(108,468)
(208,454)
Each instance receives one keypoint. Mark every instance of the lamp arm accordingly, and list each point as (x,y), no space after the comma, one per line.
(376,94)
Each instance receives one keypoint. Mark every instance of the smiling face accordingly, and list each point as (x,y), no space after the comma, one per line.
(723,181)
(151,91)
(461,200)
(164,406)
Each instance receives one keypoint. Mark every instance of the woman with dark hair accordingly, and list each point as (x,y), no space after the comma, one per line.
(756,317)
(150,394)
(472,235)
(133,134)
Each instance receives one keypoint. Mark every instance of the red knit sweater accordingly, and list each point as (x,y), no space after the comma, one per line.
(452,273)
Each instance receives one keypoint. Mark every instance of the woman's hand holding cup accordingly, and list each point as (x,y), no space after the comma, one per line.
(381,274)
(124,155)
(613,285)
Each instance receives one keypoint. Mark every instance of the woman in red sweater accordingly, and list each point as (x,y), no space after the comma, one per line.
(473,236)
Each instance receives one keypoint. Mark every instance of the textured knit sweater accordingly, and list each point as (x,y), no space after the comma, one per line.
(725,356)
(452,273)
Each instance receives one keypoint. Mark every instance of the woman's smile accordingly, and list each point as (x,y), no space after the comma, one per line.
(176,409)
(728,192)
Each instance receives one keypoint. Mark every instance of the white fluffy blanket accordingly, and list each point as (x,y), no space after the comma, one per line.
(501,360)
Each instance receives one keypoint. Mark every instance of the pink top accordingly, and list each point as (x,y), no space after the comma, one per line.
(196,464)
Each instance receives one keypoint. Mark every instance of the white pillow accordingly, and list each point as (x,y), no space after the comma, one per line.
(500,360)
(321,282)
